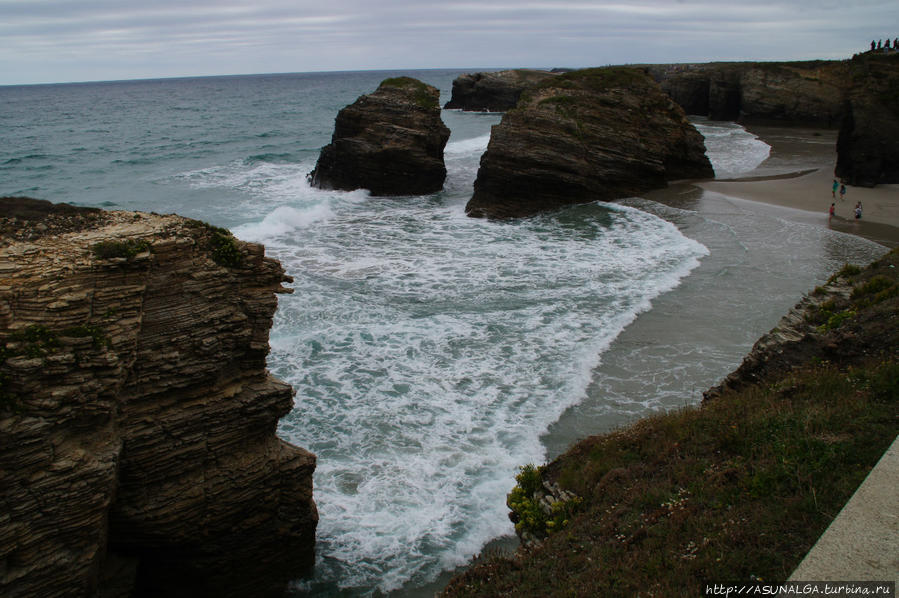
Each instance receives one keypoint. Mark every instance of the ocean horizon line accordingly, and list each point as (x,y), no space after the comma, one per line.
(273,74)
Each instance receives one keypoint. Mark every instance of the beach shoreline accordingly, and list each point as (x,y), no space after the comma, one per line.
(802,191)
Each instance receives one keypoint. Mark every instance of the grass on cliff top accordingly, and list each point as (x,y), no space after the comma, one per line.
(736,490)
(423,97)
(598,79)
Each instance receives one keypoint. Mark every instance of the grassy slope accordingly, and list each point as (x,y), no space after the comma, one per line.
(736,490)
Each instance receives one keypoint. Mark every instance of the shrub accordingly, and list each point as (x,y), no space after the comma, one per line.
(224,248)
(113,249)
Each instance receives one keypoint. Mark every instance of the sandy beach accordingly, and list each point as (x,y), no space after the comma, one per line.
(779,181)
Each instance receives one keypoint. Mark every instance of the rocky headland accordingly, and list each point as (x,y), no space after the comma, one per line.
(593,134)
(493,92)
(868,144)
(138,453)
(810,93)
(390,142)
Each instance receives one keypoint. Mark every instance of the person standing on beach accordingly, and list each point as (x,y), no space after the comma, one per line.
(833,191)
(858,210)
(842,192)
(833,210)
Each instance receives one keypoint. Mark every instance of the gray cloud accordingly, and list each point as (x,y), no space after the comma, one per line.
(65,40)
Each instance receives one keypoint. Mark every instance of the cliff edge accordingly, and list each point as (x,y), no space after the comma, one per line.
(138,453)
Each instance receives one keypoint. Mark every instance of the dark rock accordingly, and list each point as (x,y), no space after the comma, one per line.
(809,93)
(868,143)
(594,134)
(390,142)
(493,92)
(137,417)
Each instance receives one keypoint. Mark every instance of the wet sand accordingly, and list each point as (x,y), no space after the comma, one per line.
(777,181)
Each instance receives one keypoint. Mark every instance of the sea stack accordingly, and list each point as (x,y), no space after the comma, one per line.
(390,142)
(593,134)
(138,453)
(493,92)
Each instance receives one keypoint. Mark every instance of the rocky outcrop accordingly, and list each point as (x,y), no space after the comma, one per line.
(138,453)
(390,142)
(848,320)
(787,92)
(868,143)
(493,92)
(594,134)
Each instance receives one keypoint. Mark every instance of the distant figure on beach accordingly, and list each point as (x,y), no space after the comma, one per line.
(842,192)
(873,45)
(833,190)
(858,210)
(833,210)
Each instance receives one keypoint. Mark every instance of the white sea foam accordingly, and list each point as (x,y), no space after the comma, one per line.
(732,150)
(429,352)
(467,147)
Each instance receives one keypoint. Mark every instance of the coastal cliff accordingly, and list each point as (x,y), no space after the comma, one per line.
(868,143)
(593,134)
(390,142)
(493,92)
(808,93)
(736,489)
(138,452)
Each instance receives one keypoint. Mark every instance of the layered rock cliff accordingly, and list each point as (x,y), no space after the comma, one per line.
(868,143)
(138,453)
(594,134)
(788,92)
(390,142)
(493,92)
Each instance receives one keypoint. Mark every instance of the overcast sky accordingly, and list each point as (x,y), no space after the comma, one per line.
(45,41)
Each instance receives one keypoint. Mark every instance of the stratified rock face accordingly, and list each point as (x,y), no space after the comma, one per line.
(137,419)
(493,92)
(789,92)
(868,143)
(389,142)
(594,134)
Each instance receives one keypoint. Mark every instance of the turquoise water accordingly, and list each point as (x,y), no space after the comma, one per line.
(431,354)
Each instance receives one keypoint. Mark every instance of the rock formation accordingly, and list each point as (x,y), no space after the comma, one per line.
(493,92)
(594,134)
(868,143)
(389,142)
(138,452)
(788,92)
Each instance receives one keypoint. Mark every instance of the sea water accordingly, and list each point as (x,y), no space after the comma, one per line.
(432,354)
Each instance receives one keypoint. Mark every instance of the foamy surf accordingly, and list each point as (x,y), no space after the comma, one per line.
(430,352)
(731,149)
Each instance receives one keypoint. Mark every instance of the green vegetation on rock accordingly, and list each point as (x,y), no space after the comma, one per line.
(119,249)
(224,248)
(423,96)
(525,502)
(738,489)
(37,342)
